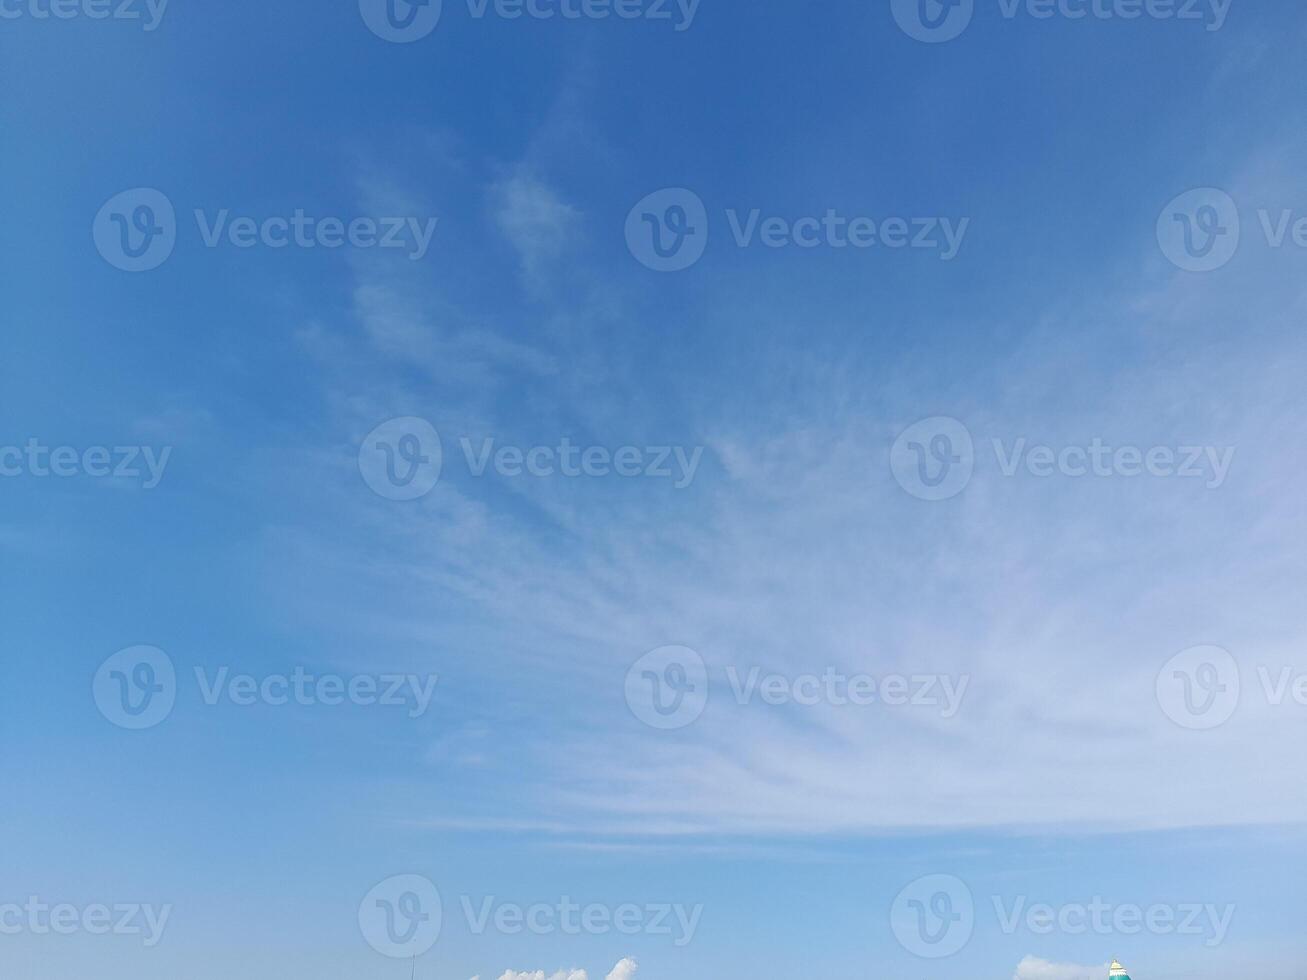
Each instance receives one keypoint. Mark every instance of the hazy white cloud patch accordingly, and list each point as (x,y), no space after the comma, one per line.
(537,222)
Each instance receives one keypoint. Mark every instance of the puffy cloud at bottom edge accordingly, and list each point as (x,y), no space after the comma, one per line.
(624,970)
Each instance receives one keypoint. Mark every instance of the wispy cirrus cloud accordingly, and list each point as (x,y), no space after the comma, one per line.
(1058,600)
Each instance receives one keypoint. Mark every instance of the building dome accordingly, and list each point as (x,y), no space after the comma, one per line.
(1118,972)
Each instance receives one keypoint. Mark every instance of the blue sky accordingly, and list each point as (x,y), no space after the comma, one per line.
(792,537)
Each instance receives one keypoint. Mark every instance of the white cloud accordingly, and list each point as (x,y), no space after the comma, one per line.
(1033,968)
(624,970)
(535,220)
